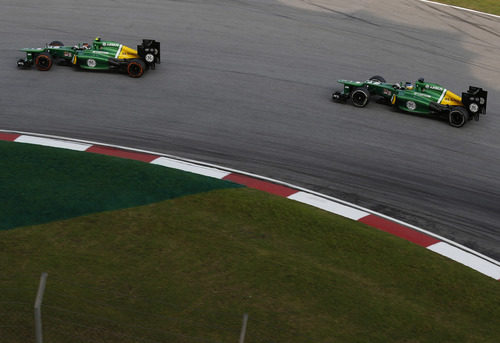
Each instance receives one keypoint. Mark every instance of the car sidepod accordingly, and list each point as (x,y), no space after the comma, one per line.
(413,102)
(91,60)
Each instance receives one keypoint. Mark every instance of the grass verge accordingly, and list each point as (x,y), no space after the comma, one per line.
(187,268)
(488,6)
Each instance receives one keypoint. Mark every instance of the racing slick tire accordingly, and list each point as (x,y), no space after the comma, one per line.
(56,43)
(458,116)
(43,61)
(377,78)
(360,97)
(136,68)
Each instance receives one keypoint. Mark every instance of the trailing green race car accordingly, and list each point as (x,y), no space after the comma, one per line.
(100,55)
(422,98)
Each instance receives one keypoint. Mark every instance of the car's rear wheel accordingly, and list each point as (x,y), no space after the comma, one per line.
(360,97)
(377,78)
(56,43)
(458,116)
(43,61)
(136,68)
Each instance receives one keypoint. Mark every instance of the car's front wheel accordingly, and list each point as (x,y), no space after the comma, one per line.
(458,117)
(360,97)
(136,68)
(43,61)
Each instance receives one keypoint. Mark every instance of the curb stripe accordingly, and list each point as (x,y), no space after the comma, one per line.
(109,151)
(328,205)
(260,185)
(10,137)
(429,240)
(399,230)
(467,259)
(54,143)
(190,167)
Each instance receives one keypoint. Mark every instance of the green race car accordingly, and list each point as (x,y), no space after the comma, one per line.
(100,55)
(421,98)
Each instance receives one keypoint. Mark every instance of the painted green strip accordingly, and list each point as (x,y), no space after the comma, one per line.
(40,184)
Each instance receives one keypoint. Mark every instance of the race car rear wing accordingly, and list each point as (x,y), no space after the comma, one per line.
(475,100)
(149,51)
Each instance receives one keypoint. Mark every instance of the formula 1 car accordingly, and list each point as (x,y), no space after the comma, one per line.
(100,55)
(421,98)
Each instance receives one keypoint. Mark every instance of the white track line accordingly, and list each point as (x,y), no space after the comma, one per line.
(460,8)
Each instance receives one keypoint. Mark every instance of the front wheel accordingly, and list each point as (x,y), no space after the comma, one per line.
(458,117)
(43,61)
(136,68)
(360,97)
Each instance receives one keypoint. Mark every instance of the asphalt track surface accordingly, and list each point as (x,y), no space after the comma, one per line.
(246,84)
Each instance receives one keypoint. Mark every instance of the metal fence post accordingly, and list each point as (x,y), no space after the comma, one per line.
(38,308)
(243,328)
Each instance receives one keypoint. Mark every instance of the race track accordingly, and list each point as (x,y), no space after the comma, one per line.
(246,84)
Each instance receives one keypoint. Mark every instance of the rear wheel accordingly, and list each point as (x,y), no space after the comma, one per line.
(136,68)
(43,61)
(360,97)
(56,43)
(458,117)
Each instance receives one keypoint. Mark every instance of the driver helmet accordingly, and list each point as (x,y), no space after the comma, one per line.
(409,85)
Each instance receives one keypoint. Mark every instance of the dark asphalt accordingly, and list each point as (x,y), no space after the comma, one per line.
(246,84)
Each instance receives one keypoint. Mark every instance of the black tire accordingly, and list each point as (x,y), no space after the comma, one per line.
(458,116)
(377,78)
(56,43)
(44,61)
(136,68)
(360,97)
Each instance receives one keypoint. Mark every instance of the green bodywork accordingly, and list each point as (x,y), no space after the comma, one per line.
(422,94)
(420,97)
(98,52)
(99,55)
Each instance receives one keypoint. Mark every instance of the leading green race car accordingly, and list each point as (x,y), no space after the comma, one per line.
(421,98)
(100,55)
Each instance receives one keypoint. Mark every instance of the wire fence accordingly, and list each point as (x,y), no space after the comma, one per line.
(107,317)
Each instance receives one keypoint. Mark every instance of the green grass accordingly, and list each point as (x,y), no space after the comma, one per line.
(187,268)
(488,6)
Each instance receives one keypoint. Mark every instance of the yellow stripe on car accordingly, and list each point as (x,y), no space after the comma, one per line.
(127,52)
(74,59)
(393,100)
(451,99)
